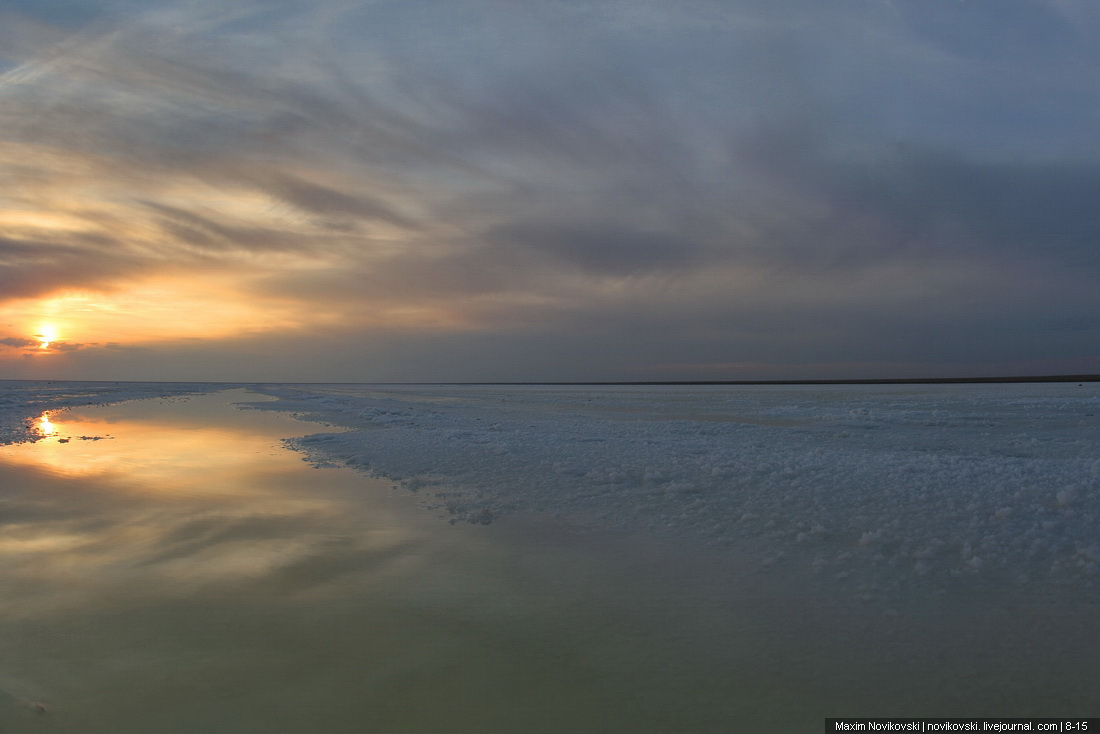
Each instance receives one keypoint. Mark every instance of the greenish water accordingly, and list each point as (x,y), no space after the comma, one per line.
(183,572)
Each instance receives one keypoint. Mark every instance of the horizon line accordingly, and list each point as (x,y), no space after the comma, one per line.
(827,381)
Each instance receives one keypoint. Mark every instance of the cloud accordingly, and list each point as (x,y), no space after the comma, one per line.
(741,182)
(927,203)
(18,342)
(69,346)
(56,346)
(324,200)
(31,268)
(64,13)
(1012,30)
(599,249)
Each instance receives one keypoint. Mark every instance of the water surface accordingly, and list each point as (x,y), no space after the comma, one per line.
(167,566)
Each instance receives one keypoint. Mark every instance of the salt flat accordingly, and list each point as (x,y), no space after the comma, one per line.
(544,558)
(872,488)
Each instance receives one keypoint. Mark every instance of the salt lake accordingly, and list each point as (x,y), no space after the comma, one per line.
(170,565)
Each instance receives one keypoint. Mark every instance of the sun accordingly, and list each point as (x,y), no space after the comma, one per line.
(47,334)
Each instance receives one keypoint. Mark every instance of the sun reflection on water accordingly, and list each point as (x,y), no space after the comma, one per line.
(201,492)
(159,455)
(44,426)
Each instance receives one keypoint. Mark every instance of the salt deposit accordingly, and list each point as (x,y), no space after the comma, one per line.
(874,489)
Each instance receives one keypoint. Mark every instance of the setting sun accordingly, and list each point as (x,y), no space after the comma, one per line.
(46,335)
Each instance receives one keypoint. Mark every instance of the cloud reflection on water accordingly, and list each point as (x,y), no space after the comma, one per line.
(247,591)
(146,501)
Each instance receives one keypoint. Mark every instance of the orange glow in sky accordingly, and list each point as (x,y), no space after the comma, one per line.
(193,307)
(159,310)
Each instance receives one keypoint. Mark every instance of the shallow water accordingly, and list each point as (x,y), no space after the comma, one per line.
(170,567)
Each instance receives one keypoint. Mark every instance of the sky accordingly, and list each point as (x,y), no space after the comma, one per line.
(560,190)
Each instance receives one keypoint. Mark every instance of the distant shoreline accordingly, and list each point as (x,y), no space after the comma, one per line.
(853,381)
(861,381)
